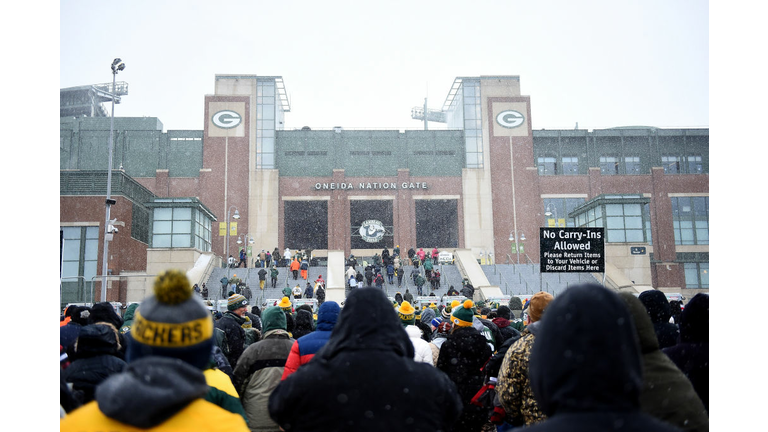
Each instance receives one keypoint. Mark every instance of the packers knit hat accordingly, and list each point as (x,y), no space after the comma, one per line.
(172,323)
(537,304)
(446,313)
(236,301)
(285,304)
(407,314)
(274,319)
(462,315)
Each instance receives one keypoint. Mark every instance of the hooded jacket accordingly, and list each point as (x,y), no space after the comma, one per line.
(514,388)
(94,360)
(303,325)
(462,357)
(365,379)
(305,347)
(155,393)
(260,368)
(667,394)
(585,367)
(691,355)
(422,352)
(231,325)
(660,311)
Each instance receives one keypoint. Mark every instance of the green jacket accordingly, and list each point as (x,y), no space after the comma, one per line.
(128,317)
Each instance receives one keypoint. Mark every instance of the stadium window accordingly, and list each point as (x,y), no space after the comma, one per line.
(570,165)
(671,164)
(690,220)
(632,164)
(547,165)
(609,165)
(694,164)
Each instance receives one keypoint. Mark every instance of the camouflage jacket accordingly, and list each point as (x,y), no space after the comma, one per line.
(514,388)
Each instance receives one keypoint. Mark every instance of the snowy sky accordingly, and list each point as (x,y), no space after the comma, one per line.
(359,65)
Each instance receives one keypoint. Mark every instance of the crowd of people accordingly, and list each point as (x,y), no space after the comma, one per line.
(589,359)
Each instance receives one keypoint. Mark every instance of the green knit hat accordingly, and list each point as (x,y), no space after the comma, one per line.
(462,315)
(273,319)
(407,314)
(236,301)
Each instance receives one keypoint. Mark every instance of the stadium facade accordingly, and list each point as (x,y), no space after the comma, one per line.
(481,183)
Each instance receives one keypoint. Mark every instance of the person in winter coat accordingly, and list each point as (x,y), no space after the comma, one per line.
(421,350)
(295,266)
(411,255)
(408,296)
(421,254)
(585,369)
(305,347)
(383,389)
(221,391)
(660,312)
(304,267)
(163,386)
(379,281)
(308,291)
(104,313)
(128,316)
(420,284)
(435,255)
(691,354)
(667,394)
(503,322)
(390,273)
(514,388)
(462,357)
(398,298)
(94,358)
(424,323)
(441,335)
(260,368)
(287,292)
(273,274)
(304,324)
(262,277)
(68,333)
(320,295)
(296,292)
(233,323)
(428,266)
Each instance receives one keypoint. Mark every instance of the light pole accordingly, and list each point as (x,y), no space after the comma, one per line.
(548,213)
(513,238)
(234,216)
(117,65)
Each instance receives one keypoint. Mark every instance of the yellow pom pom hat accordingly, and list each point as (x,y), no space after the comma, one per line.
(285,304)
(462,314)
(171,323)
(407,313)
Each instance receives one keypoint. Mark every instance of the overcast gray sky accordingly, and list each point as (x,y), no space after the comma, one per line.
(363,64)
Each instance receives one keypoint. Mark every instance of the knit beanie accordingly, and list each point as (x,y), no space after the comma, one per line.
(407,314)
(436,322)
(446,313)
(273,318)
(285,304)
(172,323)
(427,315)
(462,314)
(537,304)
(236,301)
(444,327)
(454,304)
(504,312)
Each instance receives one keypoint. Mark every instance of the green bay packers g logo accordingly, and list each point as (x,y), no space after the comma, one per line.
(510,119)
(226,119)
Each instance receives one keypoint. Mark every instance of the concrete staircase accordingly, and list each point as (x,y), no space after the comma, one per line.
(512,279)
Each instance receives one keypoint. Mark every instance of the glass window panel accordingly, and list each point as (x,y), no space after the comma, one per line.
(615,223)
(180,227)
(70,269)
(163,214)
(268,124)
(614,209)
(469,91)
(182,214)
(71,250)
(687,237)
(268,145)
(634,236)
(90,269)
(161,227)
(691,275)
(181,240)
(268,160)
(91,249)
(71,233)
(632,209)
(704,274)
(160,241)
(702,236)
(699,206)
(268,133)
(269,112)
(92,232)
(616,236)
(633,222)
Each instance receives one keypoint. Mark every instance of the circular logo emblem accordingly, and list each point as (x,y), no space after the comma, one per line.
(510,119)
(372,231)
(226,119)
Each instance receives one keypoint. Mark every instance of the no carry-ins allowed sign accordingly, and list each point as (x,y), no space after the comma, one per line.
(576,250)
